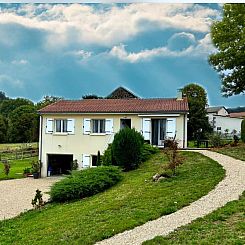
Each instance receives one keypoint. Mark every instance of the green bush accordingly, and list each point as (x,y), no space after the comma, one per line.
(215,139)
(127,148)
(85,183)
(107,158)
(148,150)
(243,131)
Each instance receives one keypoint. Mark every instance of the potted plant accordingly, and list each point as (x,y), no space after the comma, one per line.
(36,169)
(27,172)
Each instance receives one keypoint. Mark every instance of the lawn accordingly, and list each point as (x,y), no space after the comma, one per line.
(14,146)
(16,170)
(237,152)
(132,202)
(224,226)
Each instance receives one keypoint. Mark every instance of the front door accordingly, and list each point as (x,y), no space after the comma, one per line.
(158,131)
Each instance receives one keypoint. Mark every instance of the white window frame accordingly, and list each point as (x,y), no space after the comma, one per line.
(61,126)
(98,126)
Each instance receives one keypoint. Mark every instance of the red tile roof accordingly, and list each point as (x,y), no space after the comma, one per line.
(237,114)
(117,106)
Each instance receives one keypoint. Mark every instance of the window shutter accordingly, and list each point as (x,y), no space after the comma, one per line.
(86,126)
(49,125)
(146,128)
(70,126)
(171,127)
(109,126)
(86,161)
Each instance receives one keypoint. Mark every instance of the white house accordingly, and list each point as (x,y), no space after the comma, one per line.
(222,121)
(78,129)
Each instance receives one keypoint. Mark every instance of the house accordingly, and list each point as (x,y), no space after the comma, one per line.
(224,122)
(78,129)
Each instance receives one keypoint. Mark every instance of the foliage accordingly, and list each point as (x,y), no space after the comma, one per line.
(74,165)
(229,39)
(85,183)
(91,96)
(127,148)
(36,166)
(243,131)
(215,139)
(27,170)
(3,96)
(23,124)
(99,160)
(107,158)
(3,129)
(148,151)
(173,156)
(132,202)
(38,202)
(6,167)
(235,140)
(198,125)
(47,100)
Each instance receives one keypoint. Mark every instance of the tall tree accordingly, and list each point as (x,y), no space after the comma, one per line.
(23,124)
(3,96)
(47,100)
(3,129)
(91,96)
(198,125)
(228,36)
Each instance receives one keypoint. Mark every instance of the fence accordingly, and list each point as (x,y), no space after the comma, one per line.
(18,154)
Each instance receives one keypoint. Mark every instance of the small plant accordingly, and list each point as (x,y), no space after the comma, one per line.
(235,140)
(6,167)
(27,171)
(107,158)
(74,165)
(36,168)
(215,139)
(38,202)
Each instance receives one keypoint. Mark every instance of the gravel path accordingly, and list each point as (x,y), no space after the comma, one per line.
(227,190)
(16,195)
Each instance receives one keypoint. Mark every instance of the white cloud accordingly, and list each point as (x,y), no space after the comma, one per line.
(7,80)
(20,62)
(203,48)
(86,24)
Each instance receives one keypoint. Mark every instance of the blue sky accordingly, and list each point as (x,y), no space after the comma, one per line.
(70,50)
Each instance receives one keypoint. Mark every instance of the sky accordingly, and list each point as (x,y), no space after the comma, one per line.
(70,50)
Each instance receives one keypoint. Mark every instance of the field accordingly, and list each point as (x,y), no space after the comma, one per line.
(132,202)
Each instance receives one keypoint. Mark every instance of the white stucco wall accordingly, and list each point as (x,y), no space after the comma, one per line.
(78,143)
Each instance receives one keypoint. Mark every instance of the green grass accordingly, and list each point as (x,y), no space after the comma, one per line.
(224,226)
(237,152)
(14,146)
(16,170)
(132,202)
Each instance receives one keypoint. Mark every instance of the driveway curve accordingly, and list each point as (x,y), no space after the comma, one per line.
(229,189)
(16,195)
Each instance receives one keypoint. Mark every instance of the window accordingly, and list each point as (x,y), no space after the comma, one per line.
(61,126)
(98,126)
(125,123)
(94,160)
(218,128)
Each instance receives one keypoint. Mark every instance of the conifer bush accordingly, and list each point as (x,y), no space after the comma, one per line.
(127,148)
(243,131)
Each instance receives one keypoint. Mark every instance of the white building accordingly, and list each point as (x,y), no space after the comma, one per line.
(221,121)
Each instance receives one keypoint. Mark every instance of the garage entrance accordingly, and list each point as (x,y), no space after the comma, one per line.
(59,164)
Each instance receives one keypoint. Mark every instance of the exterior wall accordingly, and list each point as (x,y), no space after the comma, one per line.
(223,112)
(225,123)
(79,143)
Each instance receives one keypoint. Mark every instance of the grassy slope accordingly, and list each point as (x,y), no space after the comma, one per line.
(130,203)
(13,146)
(16,170)
(236,152)
(224,226)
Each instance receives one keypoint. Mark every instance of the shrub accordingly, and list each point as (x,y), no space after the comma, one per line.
(85,183)
(215,139)
(107,159)
(127,148)
(38,202)
(243,131)
(6,167)
(74,165)
(148,150)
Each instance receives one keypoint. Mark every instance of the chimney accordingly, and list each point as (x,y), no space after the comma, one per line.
(179,94)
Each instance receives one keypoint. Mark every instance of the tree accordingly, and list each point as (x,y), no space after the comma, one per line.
(3,96)
(91,96)
(198,124)
(243,131)
(23,124)
(47,100)
(3,129)
(228,36)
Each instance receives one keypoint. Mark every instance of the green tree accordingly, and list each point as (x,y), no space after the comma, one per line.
(91,96)
(23,124)
(3,96)
(243,131)
(198,125)
(3,129)
(228,36)
(47,100)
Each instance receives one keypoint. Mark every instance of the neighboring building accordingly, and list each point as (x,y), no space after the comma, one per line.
(72,130)
(122,93)
(222,121)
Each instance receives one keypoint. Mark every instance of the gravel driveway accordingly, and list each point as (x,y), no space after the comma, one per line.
(16,195)
(227,190)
